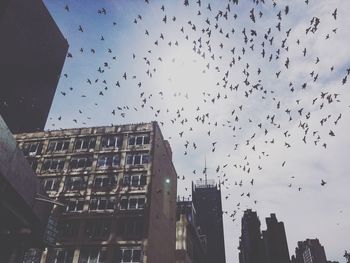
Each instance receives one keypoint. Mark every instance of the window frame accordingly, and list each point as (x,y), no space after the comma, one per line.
(128,205)
(89,142)
(109,200)
(59,166)
(110,161)
(143,138)
(137,156)
(63,148)
(107,139)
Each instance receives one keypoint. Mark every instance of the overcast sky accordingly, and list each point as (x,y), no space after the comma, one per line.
(259,91)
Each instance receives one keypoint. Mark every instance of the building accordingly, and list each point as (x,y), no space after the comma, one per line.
(23,218)
(32,52)
(275,241)
(251,245)
(309,251)
(206,198)
(118,184)
(191,244)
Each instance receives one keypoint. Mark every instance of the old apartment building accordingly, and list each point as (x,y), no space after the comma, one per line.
(116,193)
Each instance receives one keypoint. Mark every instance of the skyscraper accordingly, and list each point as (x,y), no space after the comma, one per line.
(207,201)
(251,245)
(275,241)
(32,52)
(309,251)
(118,186)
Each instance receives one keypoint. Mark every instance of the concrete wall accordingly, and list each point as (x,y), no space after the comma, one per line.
(32,52)
(162,224)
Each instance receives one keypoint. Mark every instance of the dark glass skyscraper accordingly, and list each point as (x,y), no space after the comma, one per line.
(275,241)
(207,201)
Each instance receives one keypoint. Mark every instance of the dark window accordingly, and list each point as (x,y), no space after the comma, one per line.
(75,205)
(138,140)
(58,146)
(68,229)
(80,162)
(93,255)
(75,183)
(129,255)
(98,229)
(85,144)
(132,202)
(51,184)
(53,165)
(136,159)
(32,148)
(108,161)
(103,181)
(32,255)
(63,256)
(102,203)
(111,141)
(134,180)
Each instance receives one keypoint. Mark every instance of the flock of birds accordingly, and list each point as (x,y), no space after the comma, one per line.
(225,41)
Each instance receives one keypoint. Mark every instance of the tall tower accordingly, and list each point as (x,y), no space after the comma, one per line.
(275,241)
(207,202)
(251,245)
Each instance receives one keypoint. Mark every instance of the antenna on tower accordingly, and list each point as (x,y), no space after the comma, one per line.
(205,171)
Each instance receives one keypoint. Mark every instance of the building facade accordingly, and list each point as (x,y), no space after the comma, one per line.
(251,245)
(118,186)
(206,198)
(32,52)
(275,241)
(309,251)
(191,244)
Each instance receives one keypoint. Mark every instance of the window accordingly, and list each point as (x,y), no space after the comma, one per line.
(62,256)
(93,255)
(98,229)
(130,227)
(108,161)
(140,158)
(83,144)
(68,229)
(80,162)
(75,183)
(51,184)
(135,180)
(75,204)
(32,255)
(137,140)
(102,203)
(111,141)
(32,148)
(132,202)
(58,146)
(106,180)
(129,255)
(53,165)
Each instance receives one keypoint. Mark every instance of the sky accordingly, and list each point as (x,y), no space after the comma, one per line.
(257,90)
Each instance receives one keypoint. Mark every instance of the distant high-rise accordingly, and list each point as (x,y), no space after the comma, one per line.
(309,251)
(251,245)
(275,241)
(32,54)
(207,201)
